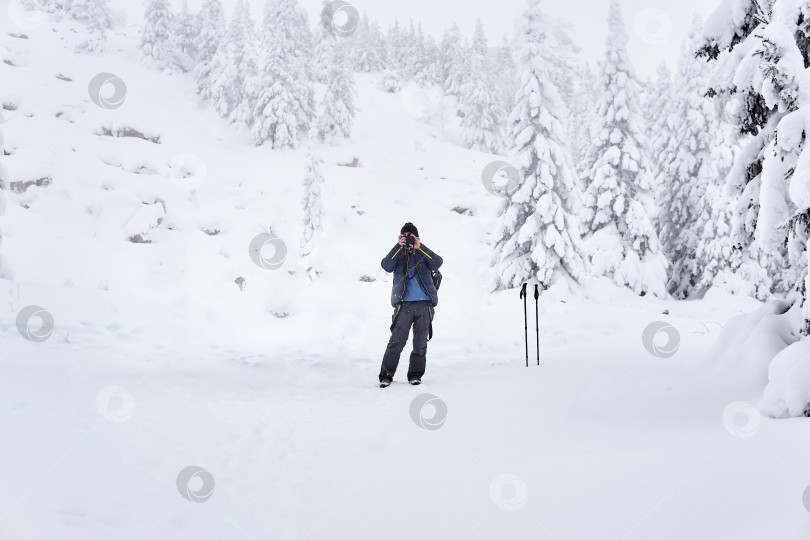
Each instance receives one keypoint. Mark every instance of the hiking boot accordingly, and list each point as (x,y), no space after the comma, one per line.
(384,383)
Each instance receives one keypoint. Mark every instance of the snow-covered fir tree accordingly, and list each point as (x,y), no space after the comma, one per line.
(247,64)
(183,40)
(302,44)
(338,109)
(411,52)
(618,203)
(422,61)
(211,21)
(397,50)
(430,73)
(538,234)
(322,55)
(480,101)
(354,42)
(285,107)
(452,61)
(762,52)
(719,261)
(364,47)
(563,58)
(565,65)
(157,29)
(658,117)
(297,42)
(378,43)
(583,113)
(312,204)
(694,160)
(506,73)
(97,15)
(391,79)
(234,68)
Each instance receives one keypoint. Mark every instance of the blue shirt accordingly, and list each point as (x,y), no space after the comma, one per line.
(413,288)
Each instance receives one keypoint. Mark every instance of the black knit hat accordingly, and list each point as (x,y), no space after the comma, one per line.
(409,227)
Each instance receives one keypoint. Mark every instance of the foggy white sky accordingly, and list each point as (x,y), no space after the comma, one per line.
(656,28)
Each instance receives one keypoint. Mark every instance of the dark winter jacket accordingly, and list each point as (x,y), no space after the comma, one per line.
(423,259)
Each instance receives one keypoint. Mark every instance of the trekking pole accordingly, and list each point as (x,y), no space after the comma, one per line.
(537,322)
(525,322)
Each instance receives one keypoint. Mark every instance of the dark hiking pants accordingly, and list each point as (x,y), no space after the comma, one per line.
(417,314)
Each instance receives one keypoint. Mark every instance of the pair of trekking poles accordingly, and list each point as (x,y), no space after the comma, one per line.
(526,323)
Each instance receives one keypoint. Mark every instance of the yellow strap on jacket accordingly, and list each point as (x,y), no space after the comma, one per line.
(420,249)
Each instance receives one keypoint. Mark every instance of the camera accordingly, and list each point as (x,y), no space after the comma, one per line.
(410,240)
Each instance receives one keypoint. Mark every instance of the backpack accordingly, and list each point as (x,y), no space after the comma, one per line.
(437,278)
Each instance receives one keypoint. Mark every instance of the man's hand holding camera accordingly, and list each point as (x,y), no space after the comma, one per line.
(409,242)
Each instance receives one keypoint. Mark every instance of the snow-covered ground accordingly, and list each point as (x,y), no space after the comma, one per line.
(159,362)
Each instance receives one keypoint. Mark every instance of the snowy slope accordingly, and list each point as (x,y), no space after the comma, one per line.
(159,362)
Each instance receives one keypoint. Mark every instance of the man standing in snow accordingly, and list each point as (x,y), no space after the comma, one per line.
(413,296)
